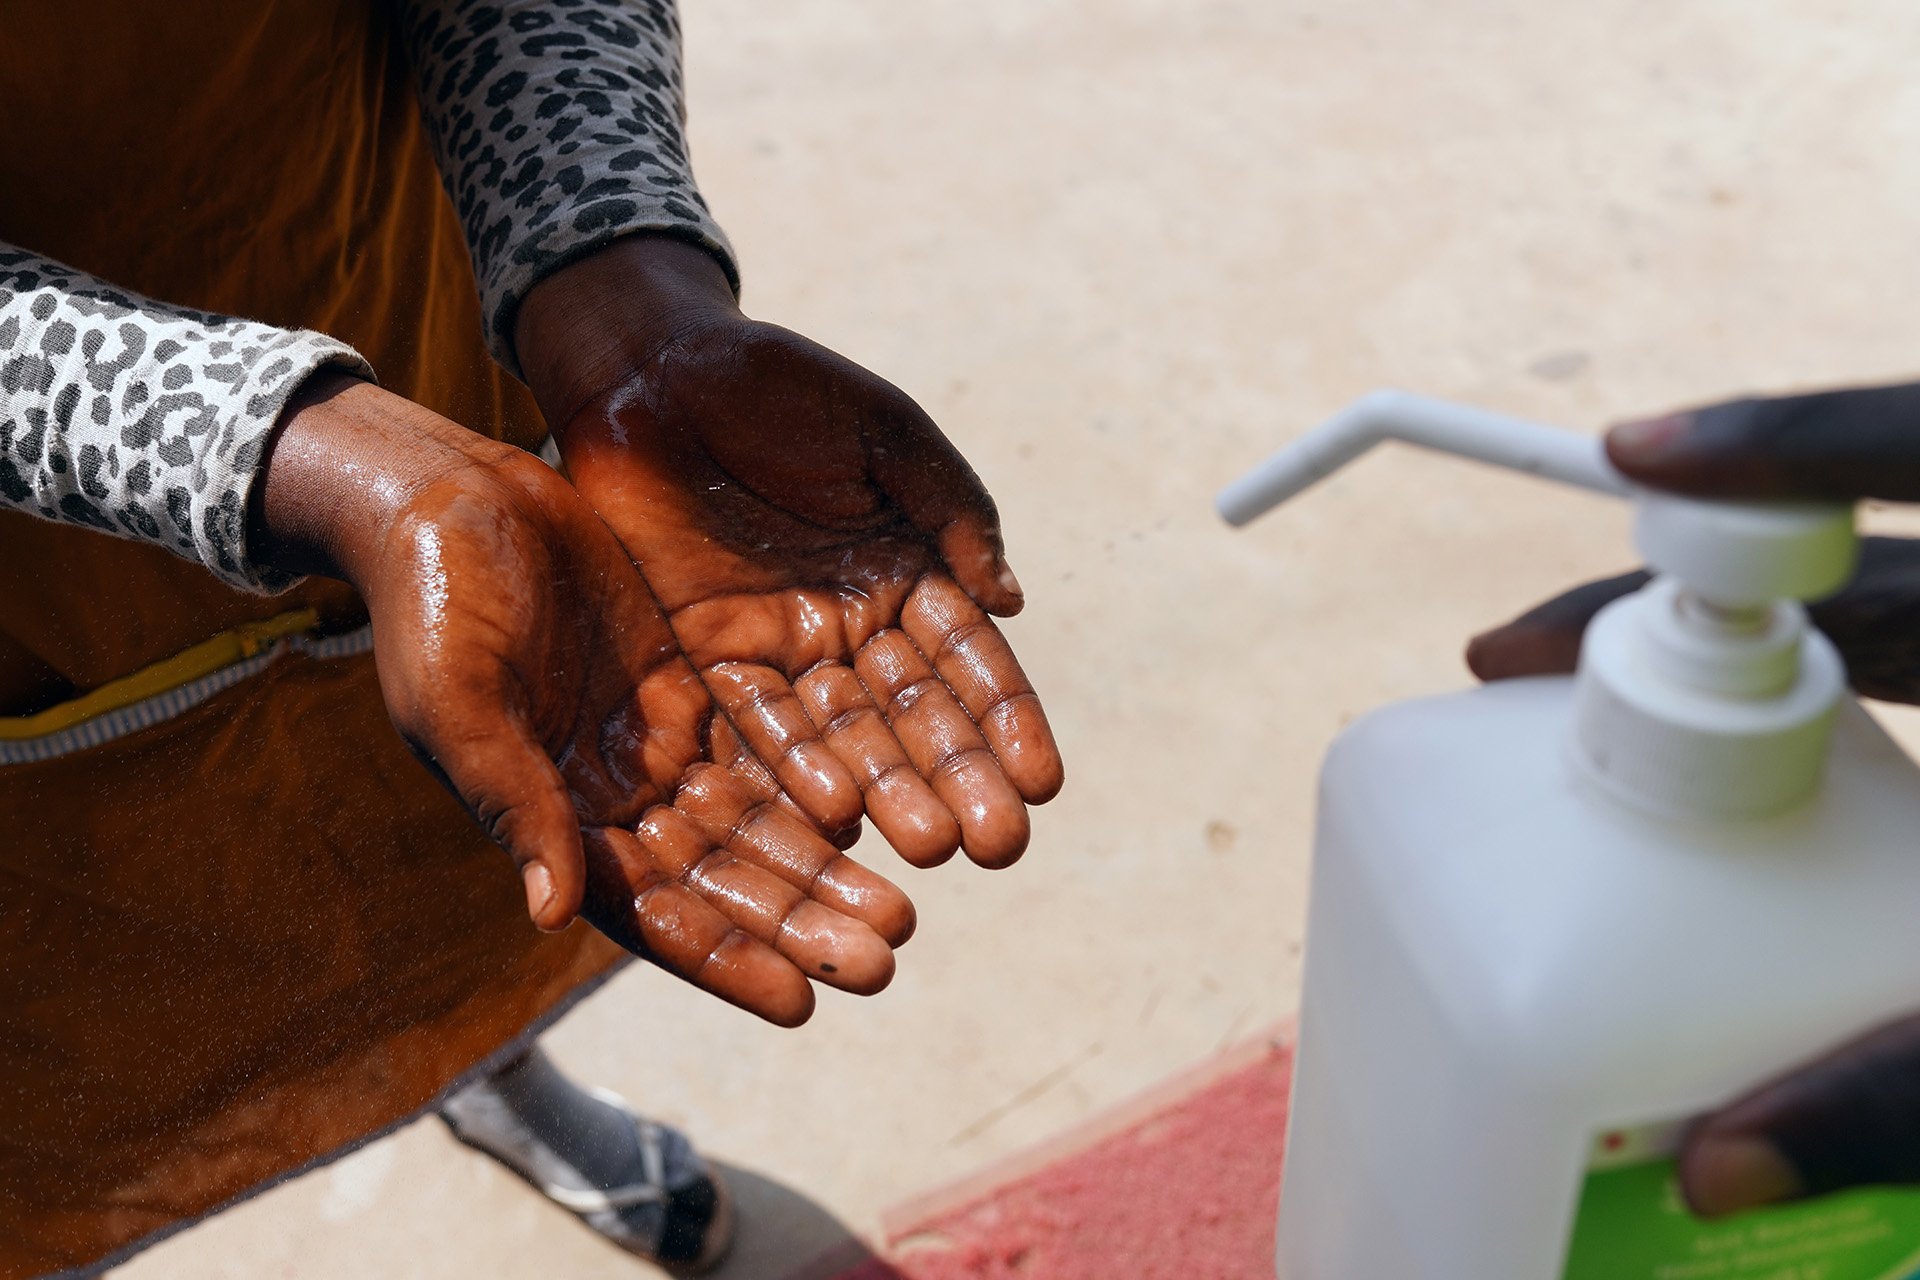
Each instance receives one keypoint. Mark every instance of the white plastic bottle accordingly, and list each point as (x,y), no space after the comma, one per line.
(1553,920)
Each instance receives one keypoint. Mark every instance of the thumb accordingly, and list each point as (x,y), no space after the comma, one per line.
(1835,445)
(1850,1119)
(917,467)
(510,785)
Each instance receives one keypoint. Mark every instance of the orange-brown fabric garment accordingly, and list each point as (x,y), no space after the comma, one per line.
(239,940)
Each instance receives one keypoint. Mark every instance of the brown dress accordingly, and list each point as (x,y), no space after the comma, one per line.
(243,939)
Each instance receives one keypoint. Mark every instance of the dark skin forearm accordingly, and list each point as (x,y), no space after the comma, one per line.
(583,328)
(346,459)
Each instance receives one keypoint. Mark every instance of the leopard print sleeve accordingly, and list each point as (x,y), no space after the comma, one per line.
(138,418)
(558,128)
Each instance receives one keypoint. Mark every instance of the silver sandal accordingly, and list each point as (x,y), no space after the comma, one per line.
(692,1225)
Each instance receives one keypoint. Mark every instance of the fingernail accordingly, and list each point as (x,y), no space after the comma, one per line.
(539,883)
(1650,437)
(1727,1174)
(1007,579)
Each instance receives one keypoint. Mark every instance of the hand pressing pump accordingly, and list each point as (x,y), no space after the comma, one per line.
(1553,920)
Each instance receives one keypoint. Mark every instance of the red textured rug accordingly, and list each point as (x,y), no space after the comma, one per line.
(1181,1184)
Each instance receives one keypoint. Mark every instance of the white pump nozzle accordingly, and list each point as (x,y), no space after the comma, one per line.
(1439,425)
(1736,555)
(1706,694)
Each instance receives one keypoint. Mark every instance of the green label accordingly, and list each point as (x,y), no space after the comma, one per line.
(1633,1225)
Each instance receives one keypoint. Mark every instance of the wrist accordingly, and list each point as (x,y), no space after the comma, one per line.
(589,326)
(345,463)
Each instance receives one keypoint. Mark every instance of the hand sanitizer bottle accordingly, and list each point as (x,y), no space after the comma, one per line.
(1553,920)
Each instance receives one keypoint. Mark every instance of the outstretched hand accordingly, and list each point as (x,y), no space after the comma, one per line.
(522,656)
(828,559)
(1854,1116)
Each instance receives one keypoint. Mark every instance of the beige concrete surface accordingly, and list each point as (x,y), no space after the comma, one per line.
(1120,248)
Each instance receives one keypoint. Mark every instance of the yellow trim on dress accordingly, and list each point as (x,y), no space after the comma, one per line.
(203,659)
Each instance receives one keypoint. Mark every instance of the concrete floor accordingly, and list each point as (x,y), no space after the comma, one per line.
(1121,248)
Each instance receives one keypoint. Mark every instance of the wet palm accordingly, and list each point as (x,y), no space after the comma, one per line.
(825,555)
(523,657)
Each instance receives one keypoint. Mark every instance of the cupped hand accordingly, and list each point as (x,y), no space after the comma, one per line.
(1853,1117)
(524,659)
(829,560)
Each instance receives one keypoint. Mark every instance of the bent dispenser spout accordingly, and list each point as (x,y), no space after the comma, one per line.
(1705,693)
(1440,425)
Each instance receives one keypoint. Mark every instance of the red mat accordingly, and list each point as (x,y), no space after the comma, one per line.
(1182,1184)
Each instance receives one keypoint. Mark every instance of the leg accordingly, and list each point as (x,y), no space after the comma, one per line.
(639,1184)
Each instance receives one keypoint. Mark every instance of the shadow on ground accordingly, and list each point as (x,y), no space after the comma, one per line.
(782,1235)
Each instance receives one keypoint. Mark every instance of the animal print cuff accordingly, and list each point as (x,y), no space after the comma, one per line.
(558,129)
(142,419)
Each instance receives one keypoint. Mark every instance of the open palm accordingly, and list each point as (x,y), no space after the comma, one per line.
(829,562)
(523,657)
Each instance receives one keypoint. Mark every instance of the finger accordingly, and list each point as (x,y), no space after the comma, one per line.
(730,752)
(1850,1119)
(775,727)
(1875,620)
(903,807)
(732,817)
(823,944)
(977,663)
(638,902)
(1839,445)
(917,467)
(511,787)
(946,747)
(1545,640)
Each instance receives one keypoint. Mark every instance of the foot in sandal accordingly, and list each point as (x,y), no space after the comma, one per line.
(639,1184)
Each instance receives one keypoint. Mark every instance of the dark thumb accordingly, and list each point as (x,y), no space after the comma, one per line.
(1850,1119)
(513,790)
(1832,445)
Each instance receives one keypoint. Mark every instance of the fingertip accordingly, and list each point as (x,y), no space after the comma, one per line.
(899,929)
(1519,649)
(1000,606)
(837,951)
(552,902)
(1722,1174)
(544,841)
(997,841)
(1006,597)
(1486,656)
(920,828)
(1046,785)
(787,1008)
(538,882)
(1008,582)
(1033,764)
(868,897)
(973,555)
(1646,442)
(880,976)
(547,909)
(894,919)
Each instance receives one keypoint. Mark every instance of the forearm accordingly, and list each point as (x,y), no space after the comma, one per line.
(141,419)
(346,459)
(558,128)
(585,328)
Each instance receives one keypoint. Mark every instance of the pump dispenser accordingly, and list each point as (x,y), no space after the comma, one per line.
(1553,920)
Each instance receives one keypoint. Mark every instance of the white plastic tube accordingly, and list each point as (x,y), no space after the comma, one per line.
(1440,425)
